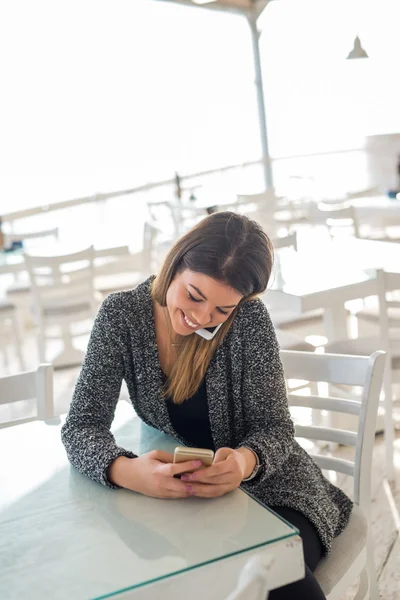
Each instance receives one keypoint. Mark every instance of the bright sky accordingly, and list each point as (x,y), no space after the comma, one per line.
(101,95)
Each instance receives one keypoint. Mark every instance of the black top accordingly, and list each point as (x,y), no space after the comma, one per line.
(191,420)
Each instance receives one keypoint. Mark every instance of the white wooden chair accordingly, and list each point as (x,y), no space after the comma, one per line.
(30,385)
(123,273)
(385,340)
(253,579)
(8,315)
(352,550)
(274,213)
(125,270)
(63,293)
(338,218)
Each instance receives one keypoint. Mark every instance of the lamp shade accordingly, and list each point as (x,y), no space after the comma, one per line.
(358,51)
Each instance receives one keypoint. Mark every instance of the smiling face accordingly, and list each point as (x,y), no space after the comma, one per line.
(195,300)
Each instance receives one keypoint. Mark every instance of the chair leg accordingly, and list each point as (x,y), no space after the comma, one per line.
(388,420)
(368,588)
(18,343)
(41,346)
(5,356)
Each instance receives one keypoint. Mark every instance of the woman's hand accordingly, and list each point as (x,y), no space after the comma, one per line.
(224,475)
(152,474)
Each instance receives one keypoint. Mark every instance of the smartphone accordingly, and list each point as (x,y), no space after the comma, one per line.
(183,453)
(208,332)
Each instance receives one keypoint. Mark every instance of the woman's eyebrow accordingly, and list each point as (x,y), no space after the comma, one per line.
(204,298)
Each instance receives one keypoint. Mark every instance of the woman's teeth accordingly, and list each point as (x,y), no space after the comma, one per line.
(189,322)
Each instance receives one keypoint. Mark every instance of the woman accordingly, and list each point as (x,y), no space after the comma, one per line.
(227,394)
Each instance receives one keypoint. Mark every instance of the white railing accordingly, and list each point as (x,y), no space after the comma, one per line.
(100,196)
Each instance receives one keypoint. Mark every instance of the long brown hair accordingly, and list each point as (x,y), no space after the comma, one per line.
(231,249)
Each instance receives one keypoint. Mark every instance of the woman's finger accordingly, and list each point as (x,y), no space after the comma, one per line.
(204,490)
(207,473)
(168,487)
(223,478)
(165,457)
(172,469)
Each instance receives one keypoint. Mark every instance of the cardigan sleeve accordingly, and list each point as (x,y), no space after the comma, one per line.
(268,423)
(86,435)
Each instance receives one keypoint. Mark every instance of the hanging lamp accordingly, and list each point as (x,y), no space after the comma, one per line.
(357,51)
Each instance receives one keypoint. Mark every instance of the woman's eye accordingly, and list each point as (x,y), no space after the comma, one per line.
(193,298)
(223,312)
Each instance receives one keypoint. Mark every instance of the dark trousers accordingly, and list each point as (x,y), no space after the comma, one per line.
(307,588)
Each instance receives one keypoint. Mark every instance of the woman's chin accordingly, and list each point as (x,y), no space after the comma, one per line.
(180,330)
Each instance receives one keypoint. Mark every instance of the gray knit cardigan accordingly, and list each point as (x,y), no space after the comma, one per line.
(246,396)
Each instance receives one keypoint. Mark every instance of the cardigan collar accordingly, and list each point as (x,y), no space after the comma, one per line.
(216,380)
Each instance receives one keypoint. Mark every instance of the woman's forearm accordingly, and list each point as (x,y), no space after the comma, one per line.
(118,470)
(250,460)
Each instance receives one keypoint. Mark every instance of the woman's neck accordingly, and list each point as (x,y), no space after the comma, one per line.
(168,342)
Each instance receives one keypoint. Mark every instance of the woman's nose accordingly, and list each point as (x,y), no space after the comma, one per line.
(202,317)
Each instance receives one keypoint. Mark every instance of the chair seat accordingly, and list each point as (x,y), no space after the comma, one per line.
(345,550)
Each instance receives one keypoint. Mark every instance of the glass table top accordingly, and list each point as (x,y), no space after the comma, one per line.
(73,538)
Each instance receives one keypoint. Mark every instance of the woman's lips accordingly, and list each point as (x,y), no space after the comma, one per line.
(187,324)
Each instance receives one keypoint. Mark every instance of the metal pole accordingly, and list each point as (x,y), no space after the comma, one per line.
(255,35)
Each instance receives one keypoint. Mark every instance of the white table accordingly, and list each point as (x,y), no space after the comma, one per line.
(64,537)
(327,276)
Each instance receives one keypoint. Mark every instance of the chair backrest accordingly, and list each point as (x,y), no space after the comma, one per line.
(32,235)
(30,385)
(336,216)
(340,369)
(62,280)
(253,579)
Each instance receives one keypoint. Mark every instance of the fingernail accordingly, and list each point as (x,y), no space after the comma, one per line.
(196,463)
(189,488)
(185,477)
(191,477)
